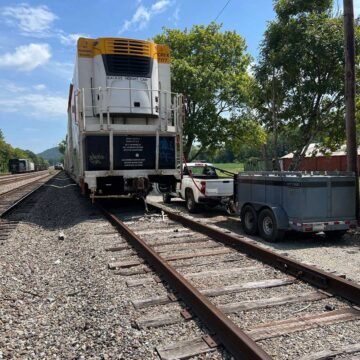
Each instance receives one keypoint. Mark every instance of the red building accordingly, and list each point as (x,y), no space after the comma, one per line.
(318,161)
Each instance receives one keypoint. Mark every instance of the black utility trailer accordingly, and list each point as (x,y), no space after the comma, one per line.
(271,203)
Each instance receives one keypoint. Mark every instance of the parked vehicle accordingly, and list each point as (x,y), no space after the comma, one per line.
(272,203)
(124,123)
(21,166)
(200,184)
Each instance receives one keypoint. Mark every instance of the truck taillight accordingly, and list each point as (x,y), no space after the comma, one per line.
(203,187)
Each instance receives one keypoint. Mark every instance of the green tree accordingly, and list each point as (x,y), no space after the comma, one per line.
(62,146)
(300,75)
(209,67)
(7,152)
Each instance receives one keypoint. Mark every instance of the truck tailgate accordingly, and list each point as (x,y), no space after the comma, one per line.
(219,187)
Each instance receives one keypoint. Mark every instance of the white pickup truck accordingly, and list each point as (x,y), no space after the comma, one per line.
(201,185)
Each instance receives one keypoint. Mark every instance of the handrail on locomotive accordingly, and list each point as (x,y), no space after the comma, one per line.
(173,111)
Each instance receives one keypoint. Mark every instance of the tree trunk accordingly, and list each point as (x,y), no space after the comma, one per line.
(299,156)
(187,147)
(267,162)
(275,163)
(196,155)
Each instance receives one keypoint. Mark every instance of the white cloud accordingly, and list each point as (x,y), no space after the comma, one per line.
(11,87)
(70,39)
(39,87)
(160,6)
(37,22)
(64,70)
(34,21)
(175,16)
(37,105)
(26,57)
(143,15)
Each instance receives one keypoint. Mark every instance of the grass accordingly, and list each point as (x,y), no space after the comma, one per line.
(233,167)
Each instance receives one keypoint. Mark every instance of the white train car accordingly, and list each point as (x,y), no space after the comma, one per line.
(21,166)
(124,123)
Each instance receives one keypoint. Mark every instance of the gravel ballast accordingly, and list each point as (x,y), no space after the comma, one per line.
(59,300)
(341,255)
(15,184)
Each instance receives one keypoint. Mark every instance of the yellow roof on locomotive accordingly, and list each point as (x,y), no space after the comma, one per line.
(87,47)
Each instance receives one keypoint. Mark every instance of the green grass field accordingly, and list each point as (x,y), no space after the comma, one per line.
(233,167)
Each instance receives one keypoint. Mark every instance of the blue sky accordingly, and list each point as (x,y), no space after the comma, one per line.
(37,47)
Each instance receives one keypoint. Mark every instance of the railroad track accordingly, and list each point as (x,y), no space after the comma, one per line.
(10,179)
(251,300)
(12,198)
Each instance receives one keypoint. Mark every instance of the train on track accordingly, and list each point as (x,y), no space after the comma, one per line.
(18,166)
(124,123)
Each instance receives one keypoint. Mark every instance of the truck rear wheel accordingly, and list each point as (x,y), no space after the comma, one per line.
(191,205)
(166,198)
(249,220)
(268,227)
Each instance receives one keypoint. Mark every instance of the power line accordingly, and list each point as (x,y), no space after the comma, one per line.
(221,11)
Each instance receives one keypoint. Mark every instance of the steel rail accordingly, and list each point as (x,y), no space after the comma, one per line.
(18,178)
(22,198)
(331,283)
(240,345)
(22,186)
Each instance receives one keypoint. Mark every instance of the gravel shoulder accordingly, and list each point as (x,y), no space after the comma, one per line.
(340,255)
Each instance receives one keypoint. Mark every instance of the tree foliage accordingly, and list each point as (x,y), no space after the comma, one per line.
(209,67)
(300,75)
(7,152)
(62,146)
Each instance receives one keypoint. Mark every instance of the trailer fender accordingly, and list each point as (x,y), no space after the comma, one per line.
(281,217)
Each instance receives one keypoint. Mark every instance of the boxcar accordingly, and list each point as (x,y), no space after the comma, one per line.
(21,166)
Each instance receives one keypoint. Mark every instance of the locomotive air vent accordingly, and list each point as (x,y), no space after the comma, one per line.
(128,47)
(126,57)
(127,65)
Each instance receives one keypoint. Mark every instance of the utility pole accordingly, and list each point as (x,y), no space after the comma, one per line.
(351,143)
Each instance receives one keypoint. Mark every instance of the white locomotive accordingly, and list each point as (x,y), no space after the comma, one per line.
(124,123)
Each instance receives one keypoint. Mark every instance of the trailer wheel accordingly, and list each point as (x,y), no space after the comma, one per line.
(191,205)
(268,227)
(249,220)
(166,198)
